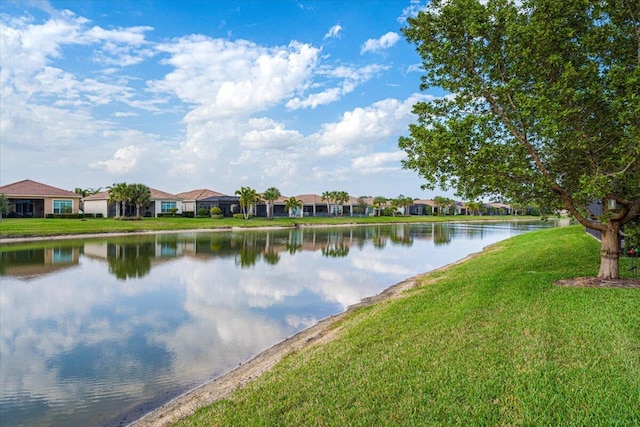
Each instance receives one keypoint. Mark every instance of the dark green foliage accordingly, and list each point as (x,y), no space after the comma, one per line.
(544,107)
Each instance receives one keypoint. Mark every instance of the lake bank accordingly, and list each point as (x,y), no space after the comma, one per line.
(179,309)
(519,271)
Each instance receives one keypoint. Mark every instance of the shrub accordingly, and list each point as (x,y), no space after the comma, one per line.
(203,212)
(216,211)
(65,216)
(632,237)
(240,216)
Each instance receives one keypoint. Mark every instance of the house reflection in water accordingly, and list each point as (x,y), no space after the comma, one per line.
(134,256)
(31,263)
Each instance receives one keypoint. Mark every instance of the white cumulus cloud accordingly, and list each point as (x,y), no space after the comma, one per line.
(363,127)
(224,78)
(334,32)
(123,161)
(378,162)
(384,42)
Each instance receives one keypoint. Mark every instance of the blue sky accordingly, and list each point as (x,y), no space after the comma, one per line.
(306,96)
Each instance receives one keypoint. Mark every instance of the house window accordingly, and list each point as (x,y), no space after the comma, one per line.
(165,206)
(62,255)
(62,206)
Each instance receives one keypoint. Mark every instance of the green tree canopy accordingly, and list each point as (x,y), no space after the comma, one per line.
(292,204)
(248,196)
(4,205)
(379,201)
(271,194)
(140,195)
(118,194)
(543,106)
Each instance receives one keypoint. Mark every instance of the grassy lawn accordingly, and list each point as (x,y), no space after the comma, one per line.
(49,227)
(487,342)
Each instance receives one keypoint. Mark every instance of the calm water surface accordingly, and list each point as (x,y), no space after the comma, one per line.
(100,331)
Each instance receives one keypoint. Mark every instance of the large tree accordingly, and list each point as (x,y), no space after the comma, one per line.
(543,105)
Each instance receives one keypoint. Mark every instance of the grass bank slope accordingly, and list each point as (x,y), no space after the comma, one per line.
(487,342)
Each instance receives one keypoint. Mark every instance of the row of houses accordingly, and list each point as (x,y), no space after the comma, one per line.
(31,199)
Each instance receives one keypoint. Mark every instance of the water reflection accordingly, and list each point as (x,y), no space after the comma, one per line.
(134,257)
(97,331)
(31,263)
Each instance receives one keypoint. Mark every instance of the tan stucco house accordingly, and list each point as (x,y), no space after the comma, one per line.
(31,199)
(160,202)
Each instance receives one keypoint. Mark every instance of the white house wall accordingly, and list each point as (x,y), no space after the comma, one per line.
(96,207)
(158,205)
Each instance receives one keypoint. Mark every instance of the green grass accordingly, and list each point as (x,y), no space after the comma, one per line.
(34,227)
(487,342)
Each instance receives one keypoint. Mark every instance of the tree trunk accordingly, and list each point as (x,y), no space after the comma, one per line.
(610,252)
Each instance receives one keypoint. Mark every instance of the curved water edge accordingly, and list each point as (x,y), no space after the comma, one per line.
(102,330)
(23,239)
(222,387)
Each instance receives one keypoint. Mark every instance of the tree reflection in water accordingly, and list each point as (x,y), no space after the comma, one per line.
(127,261)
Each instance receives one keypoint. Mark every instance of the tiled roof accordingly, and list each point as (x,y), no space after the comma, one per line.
(198,194)
(155,195)
(425,202)
(310,199)
(28,187)
(279,201)
(103,195)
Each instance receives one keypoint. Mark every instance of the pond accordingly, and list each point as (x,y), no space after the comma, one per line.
(99,331)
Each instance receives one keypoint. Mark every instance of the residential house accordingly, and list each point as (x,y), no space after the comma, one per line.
(31,199)
(423,207)
(160,202)
(278,207)
(229,205)
(191,198)
(313,205)
(498,208)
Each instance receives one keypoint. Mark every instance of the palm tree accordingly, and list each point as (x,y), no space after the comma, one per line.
(328,196)
(140,195)
(248,196)
(291,204)
(473,207)
(379,201)
(271,195)
(117,195)
(341,197)
(443,204)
